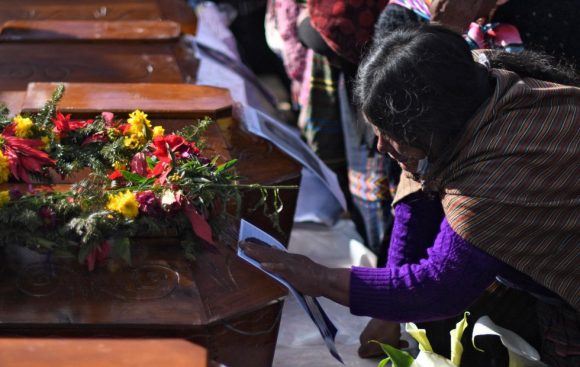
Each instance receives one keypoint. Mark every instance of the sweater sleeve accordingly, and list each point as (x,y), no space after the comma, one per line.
(442,284)
(417,220)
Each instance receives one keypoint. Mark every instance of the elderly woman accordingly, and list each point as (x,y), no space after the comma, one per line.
(494,155)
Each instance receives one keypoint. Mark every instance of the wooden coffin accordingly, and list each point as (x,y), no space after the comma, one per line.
(100,10)
(92,52)
(100,352)
(218,301)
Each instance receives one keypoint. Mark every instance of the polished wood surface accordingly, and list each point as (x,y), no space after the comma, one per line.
(105,10)
(218,301)
(181,101)
(61,30)
(100,353)
(91,62)
(160,290)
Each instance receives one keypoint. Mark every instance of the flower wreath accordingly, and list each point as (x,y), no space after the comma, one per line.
(160,183)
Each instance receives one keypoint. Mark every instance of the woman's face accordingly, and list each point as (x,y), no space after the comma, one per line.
(407,156)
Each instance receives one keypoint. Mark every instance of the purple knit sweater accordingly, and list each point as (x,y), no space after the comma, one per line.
(431,272)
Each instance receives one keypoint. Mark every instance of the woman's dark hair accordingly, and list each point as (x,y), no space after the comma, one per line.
(421,84)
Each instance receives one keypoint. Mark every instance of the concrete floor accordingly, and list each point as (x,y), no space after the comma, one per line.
(299,342)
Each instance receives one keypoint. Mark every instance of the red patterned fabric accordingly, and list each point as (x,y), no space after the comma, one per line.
(346,25)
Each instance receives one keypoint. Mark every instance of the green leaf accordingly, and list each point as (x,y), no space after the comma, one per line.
(384,362)
(148,182)
(398,357)
(150,162)
(121,249)
(133,177)
(226,166)
(84,251)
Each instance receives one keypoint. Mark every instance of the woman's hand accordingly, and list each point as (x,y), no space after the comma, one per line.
(386,332)
(458,14)
(302,273)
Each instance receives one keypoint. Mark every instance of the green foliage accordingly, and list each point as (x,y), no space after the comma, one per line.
(44,117)
(398,358)
(194,132)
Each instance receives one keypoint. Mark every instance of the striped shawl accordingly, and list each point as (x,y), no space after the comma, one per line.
(512,184)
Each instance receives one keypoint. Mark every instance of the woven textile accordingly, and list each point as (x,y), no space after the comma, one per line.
(512,186)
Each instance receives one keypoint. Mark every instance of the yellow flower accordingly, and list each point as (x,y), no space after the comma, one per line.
(4,168)
(4,198)
(138,118)
(45,140)
(133,141)
(119,166)
(158,131)
(23,126)
(124,203)
(113,133)
(176,177)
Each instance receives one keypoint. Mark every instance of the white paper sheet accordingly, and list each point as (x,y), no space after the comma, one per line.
(310,305)
(322,179)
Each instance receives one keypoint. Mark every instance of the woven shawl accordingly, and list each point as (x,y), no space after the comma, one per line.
(513,185)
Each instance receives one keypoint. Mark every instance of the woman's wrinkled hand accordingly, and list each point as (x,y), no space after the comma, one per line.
(458,14)
(302,273)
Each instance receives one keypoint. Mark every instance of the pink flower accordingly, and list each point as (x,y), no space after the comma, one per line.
(48,216)
(149,204)
(108,118)
(98,255)
(139,164)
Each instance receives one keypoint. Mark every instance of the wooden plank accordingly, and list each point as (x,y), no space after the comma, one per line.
(106,10)
(32,352)
(113,62)
(158,100)
(59,30)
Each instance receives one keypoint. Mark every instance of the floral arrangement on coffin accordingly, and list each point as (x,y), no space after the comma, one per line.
(142,181)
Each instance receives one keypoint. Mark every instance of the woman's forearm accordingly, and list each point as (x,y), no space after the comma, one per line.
(337,285)
(452,275)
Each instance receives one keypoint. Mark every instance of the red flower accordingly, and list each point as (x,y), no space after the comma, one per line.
(161,170)
(199,224)
(24,155)
(168,148)
(177,145)
(63,125)
(115,175)
(100,137)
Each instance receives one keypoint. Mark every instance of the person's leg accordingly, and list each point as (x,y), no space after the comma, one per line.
(560,328)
